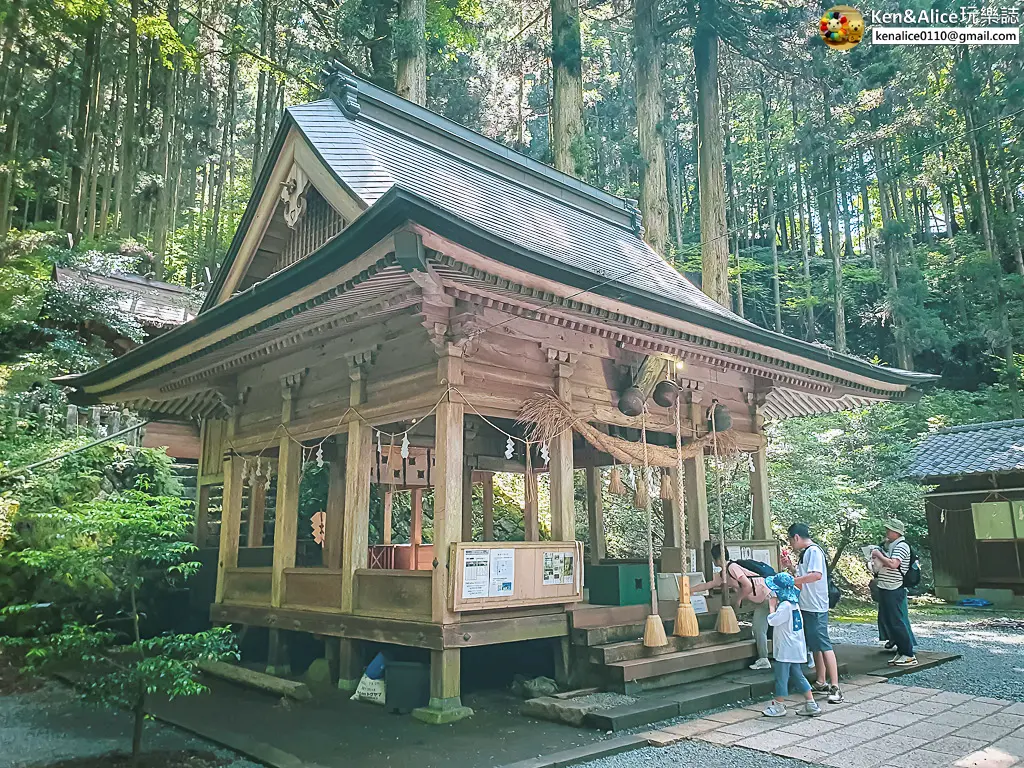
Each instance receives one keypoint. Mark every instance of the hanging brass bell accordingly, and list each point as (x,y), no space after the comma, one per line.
(631,402)
(665,394)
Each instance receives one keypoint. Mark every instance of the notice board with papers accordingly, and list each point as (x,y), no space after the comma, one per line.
(509,574)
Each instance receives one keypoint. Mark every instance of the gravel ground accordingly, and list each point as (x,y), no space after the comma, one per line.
(696,753)
(992,662)
(51,724)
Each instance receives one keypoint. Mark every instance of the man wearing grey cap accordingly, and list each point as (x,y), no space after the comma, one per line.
(894,562)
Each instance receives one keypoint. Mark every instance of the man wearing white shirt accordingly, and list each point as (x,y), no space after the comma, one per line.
(894,563)
(812,579)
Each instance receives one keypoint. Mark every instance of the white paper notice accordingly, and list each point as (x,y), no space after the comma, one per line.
(746,553)
(699,603)
(762,556)
(693,560)
(568,570)
(552,568)
(476,573)
(733,553)
(503,572)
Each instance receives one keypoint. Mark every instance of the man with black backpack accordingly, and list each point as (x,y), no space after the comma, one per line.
(815,601)
(898,570)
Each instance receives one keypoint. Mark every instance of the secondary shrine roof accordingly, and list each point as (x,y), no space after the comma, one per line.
(995,446)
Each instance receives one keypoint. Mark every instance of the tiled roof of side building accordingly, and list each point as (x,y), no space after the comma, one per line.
(996,446)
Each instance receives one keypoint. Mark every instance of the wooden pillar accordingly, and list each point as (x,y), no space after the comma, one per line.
(335,510)
(488,499)
(356,525)
(202,529)
(416,522)
(670,514)
(531,513)
(230,522)
(386,522)
(257,511)
(697,522)
(759,492)
(445,688)
(448,473)
(595,514)
(350,664)
(286,513)
(467,502)
(563,500)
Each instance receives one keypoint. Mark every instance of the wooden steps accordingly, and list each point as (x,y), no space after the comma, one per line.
(626,630)
(629,650)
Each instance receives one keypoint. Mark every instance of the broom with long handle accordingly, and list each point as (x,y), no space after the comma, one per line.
(727,623)
(654,628)
(686,617)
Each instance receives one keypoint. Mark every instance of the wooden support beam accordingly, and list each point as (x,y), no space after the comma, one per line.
(697,523)
(350,664)
(358,459)
(356,523)
(531,512)
(670,513)
(759,493)
(202,525)
(448,479)
(467,502)
(386,522)
(445,688)
(335,511)
(488,484)
(416,523)
(230,522)
(286,515)
(448,485)
(563,500)
(595,514)
(257,512)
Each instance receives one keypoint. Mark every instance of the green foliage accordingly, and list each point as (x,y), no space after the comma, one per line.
(95,563)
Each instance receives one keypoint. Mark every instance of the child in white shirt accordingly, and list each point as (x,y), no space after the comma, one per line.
(789,646)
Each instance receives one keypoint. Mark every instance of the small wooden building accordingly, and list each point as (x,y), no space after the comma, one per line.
(398,288)
(975,509)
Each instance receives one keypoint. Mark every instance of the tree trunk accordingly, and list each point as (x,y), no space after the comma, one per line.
(710,163)
(261,92)
(892,243)
(830,190)
(82,131)
(650,109)
(411,51)
(675,188)
(804,224)
(164,199)
(769,166)
(567,90)
(129,139)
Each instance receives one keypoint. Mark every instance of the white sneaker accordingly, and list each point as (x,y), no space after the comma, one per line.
(894,659)
(775,709)
(810,709)
(761,663)
(905,661)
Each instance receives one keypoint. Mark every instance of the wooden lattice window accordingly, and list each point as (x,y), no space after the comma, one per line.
(318,224)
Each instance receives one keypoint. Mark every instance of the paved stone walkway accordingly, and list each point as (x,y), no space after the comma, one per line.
(878,726)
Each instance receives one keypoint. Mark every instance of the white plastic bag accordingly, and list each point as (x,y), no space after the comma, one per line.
(369,690)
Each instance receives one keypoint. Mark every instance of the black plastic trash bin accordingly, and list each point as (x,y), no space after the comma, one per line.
(408,686)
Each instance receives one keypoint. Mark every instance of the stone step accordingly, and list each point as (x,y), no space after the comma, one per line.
(665,670)
(611,653)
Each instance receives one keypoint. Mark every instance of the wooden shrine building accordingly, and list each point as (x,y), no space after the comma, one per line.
(398,279)
(975,509)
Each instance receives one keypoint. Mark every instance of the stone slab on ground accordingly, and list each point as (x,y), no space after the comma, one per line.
(573,711)
(261,681)
(649,709)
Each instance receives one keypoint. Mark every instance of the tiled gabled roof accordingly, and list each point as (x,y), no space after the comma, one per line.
(995,446)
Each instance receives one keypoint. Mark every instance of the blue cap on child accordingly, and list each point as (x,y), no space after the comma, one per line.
(783,586)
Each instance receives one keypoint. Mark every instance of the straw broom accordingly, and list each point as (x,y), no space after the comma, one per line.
(654,628)
(686,617)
